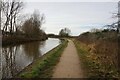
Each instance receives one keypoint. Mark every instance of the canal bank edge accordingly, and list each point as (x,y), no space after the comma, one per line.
(43,66)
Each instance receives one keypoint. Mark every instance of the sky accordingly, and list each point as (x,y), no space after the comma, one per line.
(78,16)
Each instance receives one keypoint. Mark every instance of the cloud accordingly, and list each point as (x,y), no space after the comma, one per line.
(78,16)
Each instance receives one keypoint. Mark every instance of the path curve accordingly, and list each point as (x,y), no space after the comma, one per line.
(69,64)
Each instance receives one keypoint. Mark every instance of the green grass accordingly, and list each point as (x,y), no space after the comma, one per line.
(92,65)
(43,68)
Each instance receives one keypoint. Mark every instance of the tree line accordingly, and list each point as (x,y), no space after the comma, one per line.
(11,24)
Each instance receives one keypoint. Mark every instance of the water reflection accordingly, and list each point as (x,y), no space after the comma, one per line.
(15,58)
(0,62)
(32,49)
(9,65)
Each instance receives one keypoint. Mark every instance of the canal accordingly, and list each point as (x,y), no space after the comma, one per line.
(15,58)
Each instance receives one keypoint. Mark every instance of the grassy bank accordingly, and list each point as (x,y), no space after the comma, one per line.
(43,67)
(93,65)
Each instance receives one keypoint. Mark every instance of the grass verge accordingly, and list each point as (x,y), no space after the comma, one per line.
(43,67)
(94,68)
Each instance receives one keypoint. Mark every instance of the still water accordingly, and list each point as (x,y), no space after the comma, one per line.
(16,58)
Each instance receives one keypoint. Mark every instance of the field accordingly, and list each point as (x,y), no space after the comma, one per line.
(99,52)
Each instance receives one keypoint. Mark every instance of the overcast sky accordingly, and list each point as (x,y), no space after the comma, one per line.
(77,16)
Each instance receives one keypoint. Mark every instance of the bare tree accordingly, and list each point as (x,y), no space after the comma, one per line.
(38,18)
(31,26)
(11,9)
(116,25)
(65,32)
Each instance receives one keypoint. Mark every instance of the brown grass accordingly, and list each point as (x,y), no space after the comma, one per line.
(104,48)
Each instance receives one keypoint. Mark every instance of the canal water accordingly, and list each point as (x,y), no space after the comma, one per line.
(15,58)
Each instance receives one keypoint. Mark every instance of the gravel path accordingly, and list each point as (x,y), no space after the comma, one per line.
(69,65)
